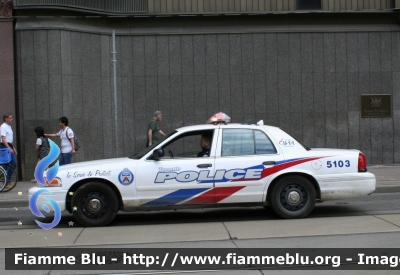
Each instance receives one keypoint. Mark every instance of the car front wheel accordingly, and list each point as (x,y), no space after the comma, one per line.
(94,204)
(293,197)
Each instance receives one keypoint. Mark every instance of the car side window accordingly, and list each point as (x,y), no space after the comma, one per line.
(263,144)
(237,142)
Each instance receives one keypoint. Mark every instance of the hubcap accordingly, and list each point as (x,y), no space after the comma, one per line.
(293,197)
(94,205)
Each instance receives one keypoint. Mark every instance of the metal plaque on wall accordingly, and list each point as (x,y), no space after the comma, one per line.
(376,106)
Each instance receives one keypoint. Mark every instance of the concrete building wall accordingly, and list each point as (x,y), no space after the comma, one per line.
(306,82)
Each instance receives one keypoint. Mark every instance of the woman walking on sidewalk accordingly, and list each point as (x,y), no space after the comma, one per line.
(42,145)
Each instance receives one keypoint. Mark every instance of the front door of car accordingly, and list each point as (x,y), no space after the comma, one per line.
(179,177)
(244,157)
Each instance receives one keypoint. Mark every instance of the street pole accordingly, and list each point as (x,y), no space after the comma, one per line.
(114,60)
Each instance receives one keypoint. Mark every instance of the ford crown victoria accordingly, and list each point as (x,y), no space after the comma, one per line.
(246,165)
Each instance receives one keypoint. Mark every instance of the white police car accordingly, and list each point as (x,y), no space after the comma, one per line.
(248,165)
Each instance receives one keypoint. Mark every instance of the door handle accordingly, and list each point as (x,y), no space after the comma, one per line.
(206,165)
(269,162)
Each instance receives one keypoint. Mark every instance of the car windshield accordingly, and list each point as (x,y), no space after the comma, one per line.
(148,149)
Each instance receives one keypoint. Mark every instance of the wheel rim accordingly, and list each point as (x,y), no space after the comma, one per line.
(294,197)
(94,205)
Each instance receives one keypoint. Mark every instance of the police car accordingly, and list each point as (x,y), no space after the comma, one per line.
(247,165)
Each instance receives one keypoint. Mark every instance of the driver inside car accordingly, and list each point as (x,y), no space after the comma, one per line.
(205,144)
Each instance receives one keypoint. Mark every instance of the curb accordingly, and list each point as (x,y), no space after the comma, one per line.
(25,202)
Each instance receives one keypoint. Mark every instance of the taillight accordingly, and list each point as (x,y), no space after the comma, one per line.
(362,163)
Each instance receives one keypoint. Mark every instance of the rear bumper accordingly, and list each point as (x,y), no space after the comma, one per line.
(344,186)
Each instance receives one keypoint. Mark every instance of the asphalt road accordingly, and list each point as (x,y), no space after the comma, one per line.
(385,202)
(367,222)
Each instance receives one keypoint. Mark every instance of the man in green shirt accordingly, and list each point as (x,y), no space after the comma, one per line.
(154,132)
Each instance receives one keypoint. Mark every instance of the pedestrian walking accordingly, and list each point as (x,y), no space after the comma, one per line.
(7,139)
(42,145)
(154,132)
(67,141)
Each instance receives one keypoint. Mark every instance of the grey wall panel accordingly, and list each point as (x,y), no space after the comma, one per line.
(86,54)
(138,46)
(176,102)
(376,140)
(152,99)
(235,54)
(396,51)
(107,116)
(29,98)
(396,135)
(375,82)
(224,88)
(55,96)
(352,52)
(296,125)
(387,140)
(329,52)
(272,93)
(354,129)
(105,54)
(223,54)
(163,97)
(284,92)
(396,89)
(259,53)
(248,98)
(374,52)
(331,130)
(342,130)
(247,54)
(387,83)
(188,98)
(363,52)
(141,113)
(236,97)
(308,130)
(42,96)
(283,53)
(199,55)
(306,52)
(330,92)
(284,121)
(260,93)
(128,116)
(187,55)
(95,55)
(211,47)
(386,52)
(340,52)
(295,50)
(341,93)
(174,47)
(307,92)
(365,137)
(66,53)
(125,56)
(353,103)
(271,53)
(162,56)
(76,53)
(318,52)
(40,52)
(295,92)
(150,55)
(54,52)
(200,88)
(212,94)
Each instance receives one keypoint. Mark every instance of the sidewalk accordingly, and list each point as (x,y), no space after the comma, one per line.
(387,181)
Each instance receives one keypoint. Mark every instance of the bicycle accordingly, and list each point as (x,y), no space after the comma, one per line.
(8,173)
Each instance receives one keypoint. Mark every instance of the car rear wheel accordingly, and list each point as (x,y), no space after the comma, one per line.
(94,204)
(293,197)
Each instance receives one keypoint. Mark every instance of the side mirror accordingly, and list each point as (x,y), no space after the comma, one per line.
(157,154)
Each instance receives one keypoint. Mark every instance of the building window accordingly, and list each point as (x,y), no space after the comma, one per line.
(308,4)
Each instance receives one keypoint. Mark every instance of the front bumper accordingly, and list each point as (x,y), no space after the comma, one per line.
(55,193)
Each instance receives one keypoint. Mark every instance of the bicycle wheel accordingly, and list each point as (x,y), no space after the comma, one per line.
(2,178)
(10,181)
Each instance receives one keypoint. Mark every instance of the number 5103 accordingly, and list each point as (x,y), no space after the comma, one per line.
(340,163)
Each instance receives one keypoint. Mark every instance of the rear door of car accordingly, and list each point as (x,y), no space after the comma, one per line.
(244,160)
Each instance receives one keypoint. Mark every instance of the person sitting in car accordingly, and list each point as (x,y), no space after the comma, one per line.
(205,144)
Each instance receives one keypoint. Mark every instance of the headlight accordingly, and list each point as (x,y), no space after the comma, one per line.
(55,183)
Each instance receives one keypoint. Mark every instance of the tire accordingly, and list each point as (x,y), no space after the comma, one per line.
(293,197)
(4,187)
(94,195)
